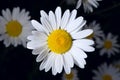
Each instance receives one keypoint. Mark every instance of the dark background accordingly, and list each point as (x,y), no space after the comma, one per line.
(19,64)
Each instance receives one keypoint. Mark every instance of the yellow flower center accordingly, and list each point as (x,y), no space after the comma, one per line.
(106,77)
(13,28)
(69,76)
(108,44)
(90,36)
(59,41)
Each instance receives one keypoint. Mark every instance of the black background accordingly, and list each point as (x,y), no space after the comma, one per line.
(17,63)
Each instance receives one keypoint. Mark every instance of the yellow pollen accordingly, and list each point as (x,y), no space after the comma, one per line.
(13,28)
(107,77)
(108,44)
(69,76)
(90,36)
(59,41)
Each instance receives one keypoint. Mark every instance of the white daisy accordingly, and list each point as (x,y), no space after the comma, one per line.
(15,26)
(106,72)
(59,41)
(108,45)
(71,76)
(97,32)
(88,5)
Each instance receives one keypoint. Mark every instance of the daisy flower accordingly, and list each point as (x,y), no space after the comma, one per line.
(106,72)
(59,41)
(71,76)
(88,5)
(15,26)
(97,32)
(108,45)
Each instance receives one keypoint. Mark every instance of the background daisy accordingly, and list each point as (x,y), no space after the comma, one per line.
(106,72)
(97,32)
(88,5)
(108,45)
(15,27)
(71,76)
(59,41)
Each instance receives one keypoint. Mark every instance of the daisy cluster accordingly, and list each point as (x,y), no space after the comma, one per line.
(61,40)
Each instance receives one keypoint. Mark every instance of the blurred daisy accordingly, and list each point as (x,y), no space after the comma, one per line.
(108,45)
(97,32)
(59,41)
(106,72)
(88,5)
(15,27)
(71,76)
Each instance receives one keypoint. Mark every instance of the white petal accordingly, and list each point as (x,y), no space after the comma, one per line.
(109,36)
(79,51)
(38,50)
(102,52)
(45,26)
(80,27)
(82,42)
(84,46)
(67,69)
(73,16)
(42,55)
(37,25)
(54,70)
(49,61)
(78,57)
(65,19)
(94,3)
(7,14)
(74,24)
(78,4)
(34,45)
(7,42)
(116,50)
(58,14)
(68,60)
(43,14)
(37,36)
(42,66)
(15,13)
(87,48)
(59,63)
(82,34)
(52,20)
